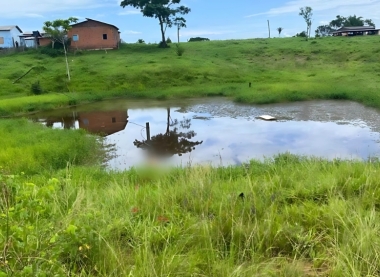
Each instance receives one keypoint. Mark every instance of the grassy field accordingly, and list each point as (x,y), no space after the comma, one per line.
(288,69)
(298,217)
(61,214)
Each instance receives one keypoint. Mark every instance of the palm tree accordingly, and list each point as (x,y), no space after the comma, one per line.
(280,29)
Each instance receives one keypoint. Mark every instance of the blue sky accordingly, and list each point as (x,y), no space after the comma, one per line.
(215,19)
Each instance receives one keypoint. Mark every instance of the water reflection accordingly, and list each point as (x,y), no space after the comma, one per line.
(102,123)
(217,131)
(172,141)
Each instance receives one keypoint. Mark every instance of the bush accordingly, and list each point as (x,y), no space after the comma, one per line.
(179,50)
(168,40)
(52,52)
(36,88)
(302,34)
(198,39)
(141,41)
(163,45)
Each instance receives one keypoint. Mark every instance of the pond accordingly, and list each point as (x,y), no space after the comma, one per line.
(219,132)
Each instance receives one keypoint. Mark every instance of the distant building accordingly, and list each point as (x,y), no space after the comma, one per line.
(93,34)
(9,36)
(44,39)
(356,31)
(30,39)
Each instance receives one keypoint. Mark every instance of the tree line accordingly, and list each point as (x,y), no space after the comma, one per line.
(341,21)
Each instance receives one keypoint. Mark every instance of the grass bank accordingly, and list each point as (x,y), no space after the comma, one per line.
(297,217)
(33,148)
(286,216)
(287,69)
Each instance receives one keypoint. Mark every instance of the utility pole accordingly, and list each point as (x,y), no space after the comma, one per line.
(178,33)
(269,28)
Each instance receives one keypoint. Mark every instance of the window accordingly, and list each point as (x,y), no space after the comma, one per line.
(104,36)
(113,120)
(75,37)
(1,40)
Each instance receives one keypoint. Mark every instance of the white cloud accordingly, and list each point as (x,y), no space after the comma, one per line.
(366,8)
(33,15)
(19,8)
(130,32)
(129,12)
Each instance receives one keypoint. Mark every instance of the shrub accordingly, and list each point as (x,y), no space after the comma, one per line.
(179,50)
(198,39)
(302,34)
(36,88)
(52,52)
(163,45)
(168,40)
(141,41)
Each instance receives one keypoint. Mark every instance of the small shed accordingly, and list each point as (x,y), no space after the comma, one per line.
(30,39)
(93,35)
(9,36)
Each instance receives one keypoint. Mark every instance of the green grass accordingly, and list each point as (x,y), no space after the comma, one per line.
(299,217)
(33,148)
(289,69)
(62,215)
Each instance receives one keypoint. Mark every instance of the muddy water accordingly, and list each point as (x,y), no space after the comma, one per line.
(220,132)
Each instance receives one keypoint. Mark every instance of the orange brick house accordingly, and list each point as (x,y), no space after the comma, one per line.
(93,34)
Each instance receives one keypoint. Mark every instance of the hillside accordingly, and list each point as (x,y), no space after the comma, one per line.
(287,69)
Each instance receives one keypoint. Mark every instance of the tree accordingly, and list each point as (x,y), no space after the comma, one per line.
(180,22)
(163,10)
(338,22)
(302,34)
(307,14)
(350,21)
(57,30)
(280,29)
(369,22)
(172,142)
(323,31)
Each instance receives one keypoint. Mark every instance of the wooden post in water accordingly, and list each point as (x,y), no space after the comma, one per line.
(147,132)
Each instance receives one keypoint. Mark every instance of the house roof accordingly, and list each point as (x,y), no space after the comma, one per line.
(89,19)
(8,28)
(356,28)
(30,34)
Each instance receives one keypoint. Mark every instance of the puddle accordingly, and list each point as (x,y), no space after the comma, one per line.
(220,132)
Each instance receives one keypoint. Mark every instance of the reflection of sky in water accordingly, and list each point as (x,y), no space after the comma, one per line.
(236,140)
(231,134)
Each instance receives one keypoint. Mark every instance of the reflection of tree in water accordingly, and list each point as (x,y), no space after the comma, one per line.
(173,141)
